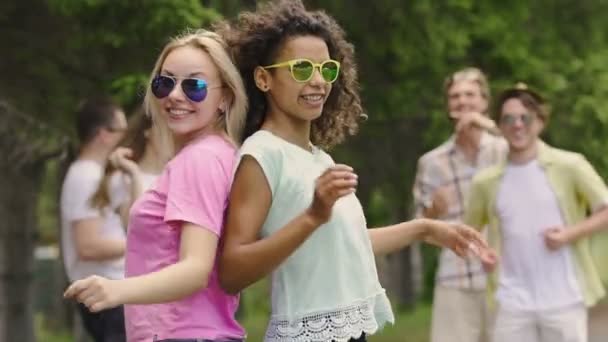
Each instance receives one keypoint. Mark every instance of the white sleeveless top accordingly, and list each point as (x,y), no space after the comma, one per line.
(328,289)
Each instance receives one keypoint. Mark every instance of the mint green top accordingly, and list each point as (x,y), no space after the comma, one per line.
(578,188)
(328,288)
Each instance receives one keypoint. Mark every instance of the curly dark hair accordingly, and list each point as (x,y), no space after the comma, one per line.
(255,39)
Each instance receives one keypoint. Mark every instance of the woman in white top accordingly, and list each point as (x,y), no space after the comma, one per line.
(132,169)
(293,212)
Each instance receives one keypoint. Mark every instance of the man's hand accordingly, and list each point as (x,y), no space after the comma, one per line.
(439,204)
(489,259)
(557,237)
(474,119)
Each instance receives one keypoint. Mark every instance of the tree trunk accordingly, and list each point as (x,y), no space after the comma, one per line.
(25,145)
(17,230)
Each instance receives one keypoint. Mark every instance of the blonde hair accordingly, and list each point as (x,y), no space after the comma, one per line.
(469,74)
(234,114)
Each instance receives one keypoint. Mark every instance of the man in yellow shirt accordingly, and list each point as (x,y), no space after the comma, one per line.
(535,206)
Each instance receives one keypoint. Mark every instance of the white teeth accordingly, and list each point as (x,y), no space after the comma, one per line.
(175,111)
(313,97)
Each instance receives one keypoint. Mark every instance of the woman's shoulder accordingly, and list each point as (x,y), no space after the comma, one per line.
(206,149)
(213,144)
(262,144)
(261,140)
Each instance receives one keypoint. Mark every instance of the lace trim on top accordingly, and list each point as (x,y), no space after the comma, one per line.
(339,325)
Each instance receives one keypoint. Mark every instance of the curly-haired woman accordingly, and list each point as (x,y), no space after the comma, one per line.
(293,211)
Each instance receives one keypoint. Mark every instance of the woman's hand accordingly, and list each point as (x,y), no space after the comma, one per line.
(461,239)
(120,158)
(96,292)
(336,182)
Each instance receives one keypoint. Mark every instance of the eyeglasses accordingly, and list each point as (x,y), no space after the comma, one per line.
(195,88)
(511,119)
(302,69)
(116,129)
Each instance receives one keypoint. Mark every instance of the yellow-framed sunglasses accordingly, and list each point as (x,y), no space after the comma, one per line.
(302,69)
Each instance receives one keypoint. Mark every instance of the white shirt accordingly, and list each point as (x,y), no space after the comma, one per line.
(328,288)
(81,182)
(532,277)
(119,187)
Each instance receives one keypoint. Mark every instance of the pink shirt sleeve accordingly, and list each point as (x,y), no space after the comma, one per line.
(197,192)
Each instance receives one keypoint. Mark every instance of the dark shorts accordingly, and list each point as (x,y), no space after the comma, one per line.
(360,339)
(104,326)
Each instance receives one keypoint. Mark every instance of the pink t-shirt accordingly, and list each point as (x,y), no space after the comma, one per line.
(193,188)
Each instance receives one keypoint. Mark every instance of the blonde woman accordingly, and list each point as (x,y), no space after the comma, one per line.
(198,103)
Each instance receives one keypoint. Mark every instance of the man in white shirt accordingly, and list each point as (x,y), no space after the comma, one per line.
(91,243)
(536,208)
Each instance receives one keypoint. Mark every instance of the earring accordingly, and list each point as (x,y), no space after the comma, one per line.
(223,108)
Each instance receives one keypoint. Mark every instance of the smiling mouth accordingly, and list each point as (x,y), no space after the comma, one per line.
(178,113)
(313,98)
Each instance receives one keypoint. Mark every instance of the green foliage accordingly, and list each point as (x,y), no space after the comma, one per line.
(44,333)
(74,49)
(405,50)
(47,209)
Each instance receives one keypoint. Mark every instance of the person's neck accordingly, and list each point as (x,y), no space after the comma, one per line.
(294,131)
(523,156)
(469,141)
(181,141)
(93,152)
(150,163)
